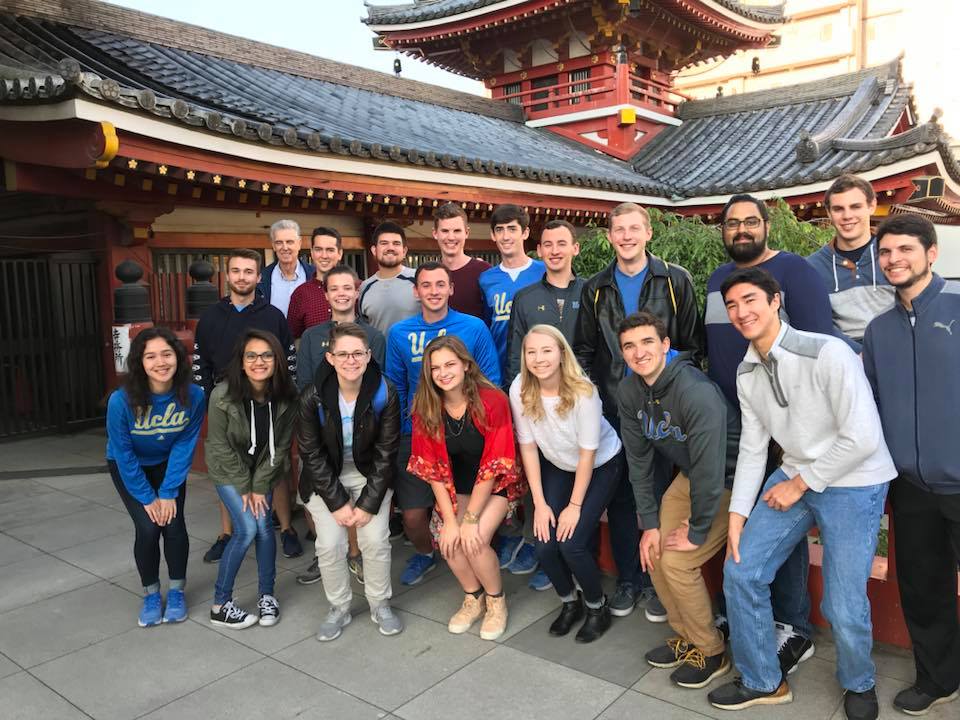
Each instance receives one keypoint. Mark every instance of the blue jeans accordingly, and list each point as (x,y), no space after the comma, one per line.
(246,529)
(849,520)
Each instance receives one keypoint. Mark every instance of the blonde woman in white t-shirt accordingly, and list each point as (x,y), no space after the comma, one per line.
(573,461)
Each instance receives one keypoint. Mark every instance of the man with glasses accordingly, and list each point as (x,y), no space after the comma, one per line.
(745,224)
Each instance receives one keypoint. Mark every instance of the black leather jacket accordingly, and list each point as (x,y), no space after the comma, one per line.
(375,440)
(667,292)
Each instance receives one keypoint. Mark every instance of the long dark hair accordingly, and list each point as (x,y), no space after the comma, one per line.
(137,385)
(279,387)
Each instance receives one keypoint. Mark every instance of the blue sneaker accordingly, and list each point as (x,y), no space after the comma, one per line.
(540,581)
(176,610)
(507,552)
(525,561)
(151,612)
(418,566)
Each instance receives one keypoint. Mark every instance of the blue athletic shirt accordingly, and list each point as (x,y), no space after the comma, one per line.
(629,287)
(498,289)
(409,337)
(167,432)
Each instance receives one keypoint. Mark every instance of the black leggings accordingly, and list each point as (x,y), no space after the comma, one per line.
(146,545)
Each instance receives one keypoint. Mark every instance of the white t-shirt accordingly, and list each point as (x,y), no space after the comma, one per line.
(346,418)
(561,439)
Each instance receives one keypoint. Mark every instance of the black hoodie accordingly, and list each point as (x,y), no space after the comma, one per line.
(219,328)
(686,418)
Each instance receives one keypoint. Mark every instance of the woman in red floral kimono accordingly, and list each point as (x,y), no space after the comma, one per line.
(463,446)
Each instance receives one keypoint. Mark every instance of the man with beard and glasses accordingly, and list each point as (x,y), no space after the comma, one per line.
(907,354)
(387,296)
(745,223)
(219,328)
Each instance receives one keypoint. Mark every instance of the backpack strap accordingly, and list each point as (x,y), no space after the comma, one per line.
(380,398)
(321,415)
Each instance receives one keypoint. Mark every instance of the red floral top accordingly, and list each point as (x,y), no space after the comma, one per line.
(498,464)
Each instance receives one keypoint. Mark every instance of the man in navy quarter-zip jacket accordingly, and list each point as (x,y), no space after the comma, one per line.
(911,355)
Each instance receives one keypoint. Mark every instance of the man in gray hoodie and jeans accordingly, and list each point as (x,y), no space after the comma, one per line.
(808,393)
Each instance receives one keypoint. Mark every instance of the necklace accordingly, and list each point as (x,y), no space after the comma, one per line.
(455,427)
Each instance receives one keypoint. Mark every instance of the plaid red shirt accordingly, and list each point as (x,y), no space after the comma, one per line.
(308,307)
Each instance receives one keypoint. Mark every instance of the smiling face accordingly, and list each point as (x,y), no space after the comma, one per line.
(451,235)
(258,362)
(557,248)
(342,293)
(850,213)
(644,352)
(904,261)
(542,355)
(752,314)
(433,290)
(242,278)
(349,357)
(325,253)
(744,233)
(629,234)
(509,238)
(447,370)
(159,364)
(389,250)
(286,245)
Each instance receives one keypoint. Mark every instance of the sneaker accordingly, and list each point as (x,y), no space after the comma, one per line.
(861,705)
(355,564)
(418,566)
(386,619)
(654,611)
(495,620)
(216,550)
(624,600)
(507,552)
(525,561)
(539,581)
(312,574)
(697,670)
(472,610)
(290,543)
(913,701)
(230,616)
(152,611)
(396,526)
(792,649)
(669,655)
(176,610)
(337,619)
(721,623)
(269,610)
(737,696)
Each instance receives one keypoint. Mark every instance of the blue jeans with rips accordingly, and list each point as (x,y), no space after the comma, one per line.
(246,530)
(849,521)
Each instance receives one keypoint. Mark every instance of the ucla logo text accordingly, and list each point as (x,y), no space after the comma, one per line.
(501,307)
(418,341)
(659,430)
(156,424)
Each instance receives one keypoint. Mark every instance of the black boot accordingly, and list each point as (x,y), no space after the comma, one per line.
(596,624)
(570,614)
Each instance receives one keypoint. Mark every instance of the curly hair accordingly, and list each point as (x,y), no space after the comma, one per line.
(137,385)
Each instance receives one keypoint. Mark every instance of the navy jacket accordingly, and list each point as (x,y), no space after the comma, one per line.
(266,277)
(913,370)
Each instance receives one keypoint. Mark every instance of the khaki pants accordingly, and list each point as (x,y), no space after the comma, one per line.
(677,577)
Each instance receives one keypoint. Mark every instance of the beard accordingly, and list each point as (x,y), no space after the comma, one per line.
(743,252)
(389,261)
(914,278)
(242,293)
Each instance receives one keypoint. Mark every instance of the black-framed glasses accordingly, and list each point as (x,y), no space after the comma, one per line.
(251,357)
(357,355)
(750,223)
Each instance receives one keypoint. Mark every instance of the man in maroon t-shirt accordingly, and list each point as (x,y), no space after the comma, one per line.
(450,230)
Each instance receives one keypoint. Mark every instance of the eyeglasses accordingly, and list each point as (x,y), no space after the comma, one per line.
(751,223)
(252,357)
(357,356)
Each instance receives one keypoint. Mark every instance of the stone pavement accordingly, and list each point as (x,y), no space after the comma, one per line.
(70,647)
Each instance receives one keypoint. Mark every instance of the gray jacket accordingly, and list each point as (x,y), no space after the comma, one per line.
(537,304)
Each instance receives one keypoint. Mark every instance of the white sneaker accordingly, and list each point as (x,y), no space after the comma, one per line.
(386,619)
(337,619)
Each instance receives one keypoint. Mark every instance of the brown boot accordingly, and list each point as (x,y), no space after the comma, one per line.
(495,621)
(471,611)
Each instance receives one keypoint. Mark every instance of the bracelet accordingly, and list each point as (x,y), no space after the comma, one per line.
(576,505)
(470,518)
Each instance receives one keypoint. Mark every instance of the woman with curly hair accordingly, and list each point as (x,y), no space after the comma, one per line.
(463,446)
(153,422)
(573,460)
(250,428)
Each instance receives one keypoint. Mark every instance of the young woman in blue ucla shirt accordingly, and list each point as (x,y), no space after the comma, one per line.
(153,422)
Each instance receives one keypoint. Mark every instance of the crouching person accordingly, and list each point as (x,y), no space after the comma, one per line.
(669,408)
(349,434)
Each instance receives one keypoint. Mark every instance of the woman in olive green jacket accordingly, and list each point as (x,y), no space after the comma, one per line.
(250,428)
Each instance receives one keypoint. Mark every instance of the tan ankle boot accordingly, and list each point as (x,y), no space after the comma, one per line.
(495,621)
(471,611)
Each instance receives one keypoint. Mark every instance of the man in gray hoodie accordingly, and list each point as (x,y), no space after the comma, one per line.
(670,410)
(808,393)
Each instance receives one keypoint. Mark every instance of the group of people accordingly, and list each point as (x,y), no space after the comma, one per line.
(501,411)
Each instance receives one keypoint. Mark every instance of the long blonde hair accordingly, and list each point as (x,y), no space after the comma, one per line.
(573,381)
(428,399)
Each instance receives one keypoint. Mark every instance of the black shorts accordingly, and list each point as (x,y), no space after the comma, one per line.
(411,492)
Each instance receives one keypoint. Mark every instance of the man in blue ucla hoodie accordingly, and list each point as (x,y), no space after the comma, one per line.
(911,355)
(405,344)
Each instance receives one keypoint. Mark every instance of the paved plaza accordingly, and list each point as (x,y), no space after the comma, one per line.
(70,647)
